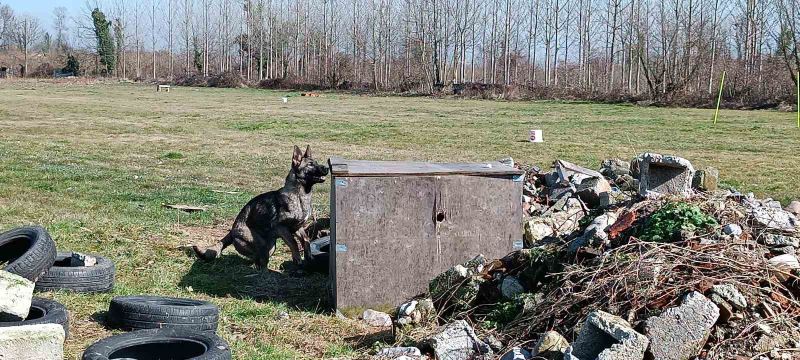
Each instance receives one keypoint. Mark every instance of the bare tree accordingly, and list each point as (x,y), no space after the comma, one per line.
(27,33)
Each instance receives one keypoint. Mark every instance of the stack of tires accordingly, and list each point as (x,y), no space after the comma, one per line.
(164,328)
(30,253)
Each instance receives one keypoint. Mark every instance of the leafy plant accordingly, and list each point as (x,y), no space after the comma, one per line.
(502,313)
(174,155)
(666,224)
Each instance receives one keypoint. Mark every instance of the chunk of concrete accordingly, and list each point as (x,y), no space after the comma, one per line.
(376,318)
(517,353)
(571,173)
(594,234)
(786,263)
(679,333)
(457,341)
(607,337)
(595,192)
(774,218)
(459,285)
(537,229)
(730,294)
(666,175)
(32,342)
(706,179)
(614,168)
(793,207)
(776,240)
(16,293)
(550,346)
(395,352)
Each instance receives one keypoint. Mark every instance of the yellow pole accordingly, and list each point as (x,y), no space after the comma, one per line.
(719,97)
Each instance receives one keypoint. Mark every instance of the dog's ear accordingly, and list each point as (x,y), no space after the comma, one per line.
(308,152)
(297,157)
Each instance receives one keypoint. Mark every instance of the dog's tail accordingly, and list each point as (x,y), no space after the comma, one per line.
(213,252)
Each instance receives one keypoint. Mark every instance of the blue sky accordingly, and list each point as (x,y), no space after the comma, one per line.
(43,9)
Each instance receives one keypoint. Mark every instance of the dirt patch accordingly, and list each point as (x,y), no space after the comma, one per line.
(200,235)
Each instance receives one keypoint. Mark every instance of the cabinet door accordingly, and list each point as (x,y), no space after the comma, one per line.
(476,215)
(383,248)
(392,235)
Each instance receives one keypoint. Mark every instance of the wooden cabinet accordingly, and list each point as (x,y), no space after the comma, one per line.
(396,225)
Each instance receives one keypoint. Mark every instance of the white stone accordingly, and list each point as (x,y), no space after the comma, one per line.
(680,332)
(517,353)
(32,342)
(786,263)
(457,341)
(408,308)
(730,294)
(773,218)
(607,337)
(732,229)
(376,318)
(16,293)
(79,259)
(397,352)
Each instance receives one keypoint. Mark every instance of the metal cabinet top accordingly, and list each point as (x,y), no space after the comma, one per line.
(359,168)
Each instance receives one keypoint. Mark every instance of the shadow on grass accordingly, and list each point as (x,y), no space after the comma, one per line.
(362,342)
(234,276)
(101,317)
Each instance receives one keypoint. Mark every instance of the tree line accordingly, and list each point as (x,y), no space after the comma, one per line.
(639,48)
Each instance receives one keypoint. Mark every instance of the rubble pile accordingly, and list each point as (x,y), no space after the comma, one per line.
(642,259)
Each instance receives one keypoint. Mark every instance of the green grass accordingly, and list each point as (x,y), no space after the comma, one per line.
(95,163)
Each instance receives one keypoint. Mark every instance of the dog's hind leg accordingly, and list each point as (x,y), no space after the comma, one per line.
(212,252)
(264,247)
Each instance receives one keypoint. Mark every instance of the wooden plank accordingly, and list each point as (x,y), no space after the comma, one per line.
(343,167)
(394,234)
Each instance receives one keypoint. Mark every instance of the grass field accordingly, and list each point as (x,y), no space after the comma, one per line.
(95,163)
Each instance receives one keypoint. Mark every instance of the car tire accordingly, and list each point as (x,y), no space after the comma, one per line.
(154,312)
(27,251)
(160,344)
(44,311)
(82,279)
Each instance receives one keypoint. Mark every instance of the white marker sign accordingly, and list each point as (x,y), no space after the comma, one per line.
(285,99)
(535,136)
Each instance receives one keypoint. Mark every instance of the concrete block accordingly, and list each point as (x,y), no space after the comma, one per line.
(679,333)
(607,337)
(457,341)
(16,293)
(396,352)
(667,175)
(32,342)
(706,179)
(376,318)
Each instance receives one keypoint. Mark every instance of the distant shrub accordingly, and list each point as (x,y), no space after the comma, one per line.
(228,79)
(43,70)
(191,80)
(72,66)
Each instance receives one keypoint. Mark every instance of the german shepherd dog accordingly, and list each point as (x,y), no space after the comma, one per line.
(276,214)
